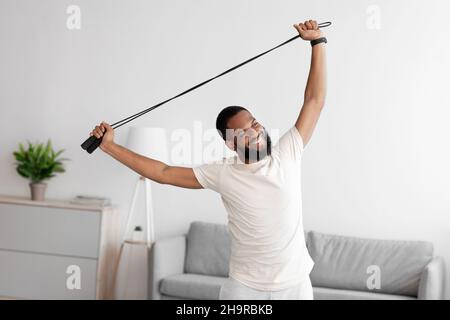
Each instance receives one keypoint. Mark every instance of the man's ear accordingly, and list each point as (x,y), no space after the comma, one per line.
(230,144)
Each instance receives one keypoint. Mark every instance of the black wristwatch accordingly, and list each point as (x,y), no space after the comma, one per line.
(317,41)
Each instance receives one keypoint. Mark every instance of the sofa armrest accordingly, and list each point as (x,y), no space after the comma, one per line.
(166,257)
(431,286)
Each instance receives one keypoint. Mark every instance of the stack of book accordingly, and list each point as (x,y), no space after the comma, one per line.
(91,200)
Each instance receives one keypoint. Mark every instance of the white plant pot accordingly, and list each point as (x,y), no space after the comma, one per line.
(38,191)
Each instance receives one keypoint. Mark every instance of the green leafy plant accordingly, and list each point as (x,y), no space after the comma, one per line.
(39,162)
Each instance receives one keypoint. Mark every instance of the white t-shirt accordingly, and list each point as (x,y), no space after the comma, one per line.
(263,201)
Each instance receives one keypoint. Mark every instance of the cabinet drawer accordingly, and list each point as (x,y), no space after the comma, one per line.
(36,276)
(49,230)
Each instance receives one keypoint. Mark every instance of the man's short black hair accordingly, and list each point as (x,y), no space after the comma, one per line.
(223,117)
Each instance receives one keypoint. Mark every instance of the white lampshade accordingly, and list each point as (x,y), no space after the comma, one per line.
(149,142)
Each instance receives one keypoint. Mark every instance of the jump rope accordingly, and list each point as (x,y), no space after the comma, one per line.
(93,142)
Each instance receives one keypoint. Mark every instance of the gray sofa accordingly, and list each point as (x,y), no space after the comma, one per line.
(195,265)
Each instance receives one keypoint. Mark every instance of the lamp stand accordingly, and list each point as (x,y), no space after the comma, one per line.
(132,258)
(150,232)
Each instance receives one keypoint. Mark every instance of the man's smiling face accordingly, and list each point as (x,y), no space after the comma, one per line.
(248,137)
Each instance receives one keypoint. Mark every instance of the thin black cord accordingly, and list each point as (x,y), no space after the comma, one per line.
(137,115)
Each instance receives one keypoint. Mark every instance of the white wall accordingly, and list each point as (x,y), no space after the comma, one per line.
(377,165)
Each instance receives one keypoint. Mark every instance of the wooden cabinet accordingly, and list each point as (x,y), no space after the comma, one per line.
(40,242)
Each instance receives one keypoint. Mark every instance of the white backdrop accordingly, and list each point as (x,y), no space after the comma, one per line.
(377,166)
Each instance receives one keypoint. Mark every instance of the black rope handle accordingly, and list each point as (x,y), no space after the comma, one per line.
(93,142)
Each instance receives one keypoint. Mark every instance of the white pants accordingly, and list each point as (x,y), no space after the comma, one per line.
(235,290)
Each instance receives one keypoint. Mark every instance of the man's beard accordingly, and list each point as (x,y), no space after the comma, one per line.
(252,155)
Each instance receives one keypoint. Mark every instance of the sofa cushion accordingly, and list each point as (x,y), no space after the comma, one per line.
(192,286)
(341,262)
(208,249)
(340,294)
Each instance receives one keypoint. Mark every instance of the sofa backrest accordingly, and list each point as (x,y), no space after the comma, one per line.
(208,249)
(350,263)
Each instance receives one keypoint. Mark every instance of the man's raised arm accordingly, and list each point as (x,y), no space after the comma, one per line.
(149,168)
(315,91)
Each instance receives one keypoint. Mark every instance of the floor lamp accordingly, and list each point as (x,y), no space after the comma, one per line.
(151,143)
(132,268)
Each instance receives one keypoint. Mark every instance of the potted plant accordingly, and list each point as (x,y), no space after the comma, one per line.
(38,163)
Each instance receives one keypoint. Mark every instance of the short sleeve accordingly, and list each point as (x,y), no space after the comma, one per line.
(208,175)
(291,144)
